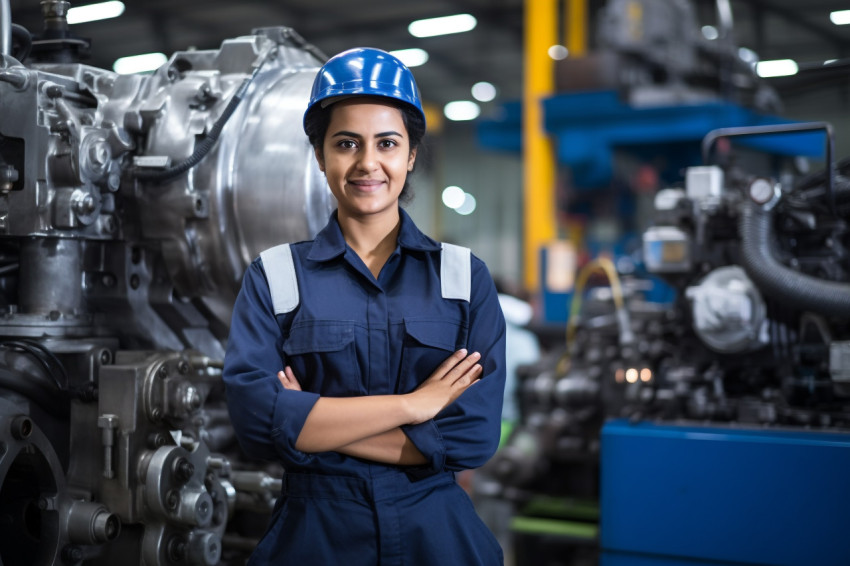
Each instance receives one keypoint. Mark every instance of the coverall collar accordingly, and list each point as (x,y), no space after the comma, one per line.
(330,243)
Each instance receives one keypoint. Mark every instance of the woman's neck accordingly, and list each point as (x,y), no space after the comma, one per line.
(373,238)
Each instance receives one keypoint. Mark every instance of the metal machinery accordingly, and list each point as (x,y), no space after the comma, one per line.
(714,429)
(733,401)
(129,208)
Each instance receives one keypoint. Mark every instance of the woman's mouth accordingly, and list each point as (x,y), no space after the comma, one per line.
(366,185)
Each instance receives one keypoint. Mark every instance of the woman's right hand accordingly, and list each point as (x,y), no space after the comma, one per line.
(453,377)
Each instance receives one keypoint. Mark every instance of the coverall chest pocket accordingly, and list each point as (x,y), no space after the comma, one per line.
(323,356)
(427,343)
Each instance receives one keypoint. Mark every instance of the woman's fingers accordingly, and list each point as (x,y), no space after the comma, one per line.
(288,380)
(449,363)
(463,367)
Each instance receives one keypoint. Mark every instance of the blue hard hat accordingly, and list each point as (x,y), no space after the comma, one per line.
(365,71)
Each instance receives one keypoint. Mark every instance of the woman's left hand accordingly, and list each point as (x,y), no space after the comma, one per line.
(287,379)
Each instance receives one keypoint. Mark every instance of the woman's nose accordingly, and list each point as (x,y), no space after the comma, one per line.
(368,158)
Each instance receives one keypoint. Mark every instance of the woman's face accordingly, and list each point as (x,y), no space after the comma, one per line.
(366,157)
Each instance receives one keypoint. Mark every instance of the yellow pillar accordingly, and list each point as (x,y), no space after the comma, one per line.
(576,27)
(541,32)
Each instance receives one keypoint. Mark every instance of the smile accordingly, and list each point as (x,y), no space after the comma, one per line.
(369,185)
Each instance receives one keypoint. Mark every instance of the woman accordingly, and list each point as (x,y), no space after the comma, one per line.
(391,345)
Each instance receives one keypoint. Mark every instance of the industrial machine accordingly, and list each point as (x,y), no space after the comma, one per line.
(699,424)
(129,207)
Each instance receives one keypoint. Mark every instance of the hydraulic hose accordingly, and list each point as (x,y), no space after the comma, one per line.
(35,389)
(829,298)
(24,41)
(204,147)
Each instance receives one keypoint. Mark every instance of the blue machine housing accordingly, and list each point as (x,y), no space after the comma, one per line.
(685,494)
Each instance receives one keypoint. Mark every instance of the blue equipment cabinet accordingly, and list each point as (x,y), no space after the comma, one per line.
(677,495)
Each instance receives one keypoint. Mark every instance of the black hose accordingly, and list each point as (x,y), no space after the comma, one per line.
(45,357)
(204,147)
(23,37)
(36,389)
(802,292)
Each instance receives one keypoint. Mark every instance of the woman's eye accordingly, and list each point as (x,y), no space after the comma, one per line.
(386,144)
(347,144)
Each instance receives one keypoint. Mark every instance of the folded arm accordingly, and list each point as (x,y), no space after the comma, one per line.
(368,426)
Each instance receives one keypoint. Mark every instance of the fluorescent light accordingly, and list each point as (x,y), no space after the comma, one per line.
(483,91)
(558,52)
(748,55)
(139,63)
(830,61)
(442,26)
(461,110)
(411,57)
(840,17)
(453,196)
(777,68)
(468,206)
(94,12)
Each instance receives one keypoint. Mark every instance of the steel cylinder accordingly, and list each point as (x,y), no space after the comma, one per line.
(51,276)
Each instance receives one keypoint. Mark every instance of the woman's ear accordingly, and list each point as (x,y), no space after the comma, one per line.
(320,158)
(411,159)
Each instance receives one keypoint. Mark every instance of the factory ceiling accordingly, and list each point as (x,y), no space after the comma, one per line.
(491,52)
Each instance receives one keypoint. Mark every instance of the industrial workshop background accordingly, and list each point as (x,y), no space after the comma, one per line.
(660,188)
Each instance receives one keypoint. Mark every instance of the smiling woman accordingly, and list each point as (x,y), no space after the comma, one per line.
(371,360)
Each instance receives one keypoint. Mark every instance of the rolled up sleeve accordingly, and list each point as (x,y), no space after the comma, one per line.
(266,417)
(466,434)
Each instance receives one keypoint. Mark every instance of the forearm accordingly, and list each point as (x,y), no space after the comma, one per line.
(391,447)
(335,422)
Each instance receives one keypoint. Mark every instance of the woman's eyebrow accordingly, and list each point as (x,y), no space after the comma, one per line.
(347,134)
(344,133)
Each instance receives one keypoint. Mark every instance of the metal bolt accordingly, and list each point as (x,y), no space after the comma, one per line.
(176,550)
(99,153)
(72,554)
(172,500)
(157,440)
(21,427)
(163,372)
(108,423)
(183,470)
(183,367)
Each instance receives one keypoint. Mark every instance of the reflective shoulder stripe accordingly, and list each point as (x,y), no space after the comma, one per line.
(280,273)
(455,272)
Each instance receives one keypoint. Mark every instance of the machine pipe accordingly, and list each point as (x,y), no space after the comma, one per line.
(829,298)
(5,27)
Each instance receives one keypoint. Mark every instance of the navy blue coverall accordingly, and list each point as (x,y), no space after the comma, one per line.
(353,335)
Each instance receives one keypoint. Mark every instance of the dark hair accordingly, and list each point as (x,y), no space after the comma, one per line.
(318,119)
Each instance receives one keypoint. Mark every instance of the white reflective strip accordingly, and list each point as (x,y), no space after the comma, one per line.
(455,272)
(280,273)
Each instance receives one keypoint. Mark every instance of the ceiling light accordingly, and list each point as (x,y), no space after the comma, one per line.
(468,205)
(442,26)
(777,68)
(558,52)
(748,55)
(453,197)
(710,32)
(840,17)
(483,91)
(411,57)
(94,12)
(461,110)
(139,63)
